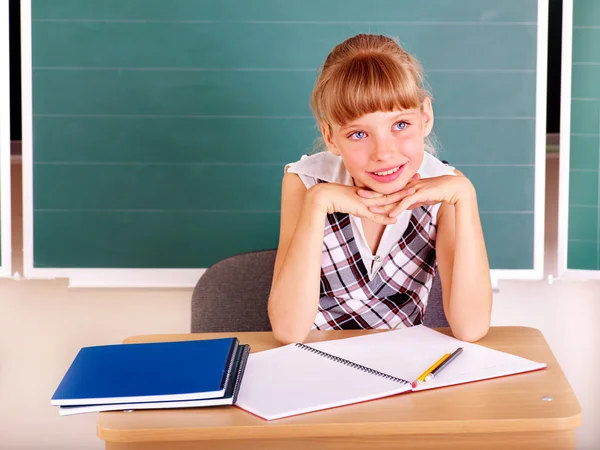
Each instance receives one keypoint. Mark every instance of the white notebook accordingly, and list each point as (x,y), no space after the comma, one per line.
(300,378)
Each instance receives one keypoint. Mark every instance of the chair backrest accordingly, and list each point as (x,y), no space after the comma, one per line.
(434,313)
(232,295)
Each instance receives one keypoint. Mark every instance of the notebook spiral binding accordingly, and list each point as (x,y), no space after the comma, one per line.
(349,363)
(241,370)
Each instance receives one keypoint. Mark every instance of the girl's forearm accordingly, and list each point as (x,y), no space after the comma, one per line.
(471,293)
(294,297)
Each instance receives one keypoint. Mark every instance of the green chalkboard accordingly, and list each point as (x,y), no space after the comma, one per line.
(584,146)
(161,128)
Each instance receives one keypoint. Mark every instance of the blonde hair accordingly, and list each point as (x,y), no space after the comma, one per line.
(365,74)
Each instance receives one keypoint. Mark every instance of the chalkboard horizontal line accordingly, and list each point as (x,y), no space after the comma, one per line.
(385,22)
(175,69)
(220,164)
(586,134)
(587,241)
(59,20)
(586,27)
(153,163)
(586,63)
(584,170)
(507,212)
(492,165)
(296,22)
(249,69)
(481,70)
(584,206)
(485,117)
(161,211)
(173,116)
(586,99)
(191,211)
(225,116)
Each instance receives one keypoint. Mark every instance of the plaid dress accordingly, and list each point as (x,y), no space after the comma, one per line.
(359,290)
(395,296)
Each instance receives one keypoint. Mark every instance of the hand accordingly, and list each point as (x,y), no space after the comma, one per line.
(430,191)
(346,199)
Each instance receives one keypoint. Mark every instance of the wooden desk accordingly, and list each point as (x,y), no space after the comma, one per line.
(508,412)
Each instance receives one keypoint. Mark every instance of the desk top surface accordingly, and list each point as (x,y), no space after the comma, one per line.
(508,404)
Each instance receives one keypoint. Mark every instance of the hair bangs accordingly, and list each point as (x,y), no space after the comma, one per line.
(365,84)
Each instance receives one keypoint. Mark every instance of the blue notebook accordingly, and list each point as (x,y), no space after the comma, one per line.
(148,372)
(229,398)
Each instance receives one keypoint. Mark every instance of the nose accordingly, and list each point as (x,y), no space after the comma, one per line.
(383,149)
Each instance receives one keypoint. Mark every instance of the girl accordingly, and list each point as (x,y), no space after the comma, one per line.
(366,223)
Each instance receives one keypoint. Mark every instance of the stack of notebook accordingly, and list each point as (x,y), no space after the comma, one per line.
(156,375)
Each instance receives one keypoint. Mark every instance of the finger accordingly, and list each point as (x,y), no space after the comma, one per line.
(384,219)
(406,204)
(416,176)
(396,211)
(412,184)
(389,209)
(365,193)
(382,209)
(391,198)
(386,209)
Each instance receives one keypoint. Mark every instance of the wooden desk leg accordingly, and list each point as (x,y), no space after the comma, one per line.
(559,440)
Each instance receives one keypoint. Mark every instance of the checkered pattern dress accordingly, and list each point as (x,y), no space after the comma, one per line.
(396,296)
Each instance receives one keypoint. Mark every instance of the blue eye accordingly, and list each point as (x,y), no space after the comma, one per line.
(400,125)
(358,135)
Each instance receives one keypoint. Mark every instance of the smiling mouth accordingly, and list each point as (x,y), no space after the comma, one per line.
(387,172)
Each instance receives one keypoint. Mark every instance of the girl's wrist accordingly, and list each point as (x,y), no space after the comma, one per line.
(465,192)
(315,199)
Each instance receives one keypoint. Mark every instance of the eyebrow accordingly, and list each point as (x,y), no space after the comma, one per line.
(399,116)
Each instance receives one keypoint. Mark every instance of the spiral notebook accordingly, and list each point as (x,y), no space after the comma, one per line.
(301,378)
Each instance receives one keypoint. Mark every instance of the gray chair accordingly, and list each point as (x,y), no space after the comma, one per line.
(232,296)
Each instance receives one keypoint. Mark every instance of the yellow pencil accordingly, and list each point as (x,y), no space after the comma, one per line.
(431,369)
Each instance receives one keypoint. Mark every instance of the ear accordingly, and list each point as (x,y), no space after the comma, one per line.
(427,111)
(326,132)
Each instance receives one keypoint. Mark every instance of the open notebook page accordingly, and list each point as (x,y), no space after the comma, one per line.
(408,352)
(289,380)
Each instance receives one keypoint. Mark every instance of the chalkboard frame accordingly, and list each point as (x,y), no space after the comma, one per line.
(99,277)
(565,152)
(5,185)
